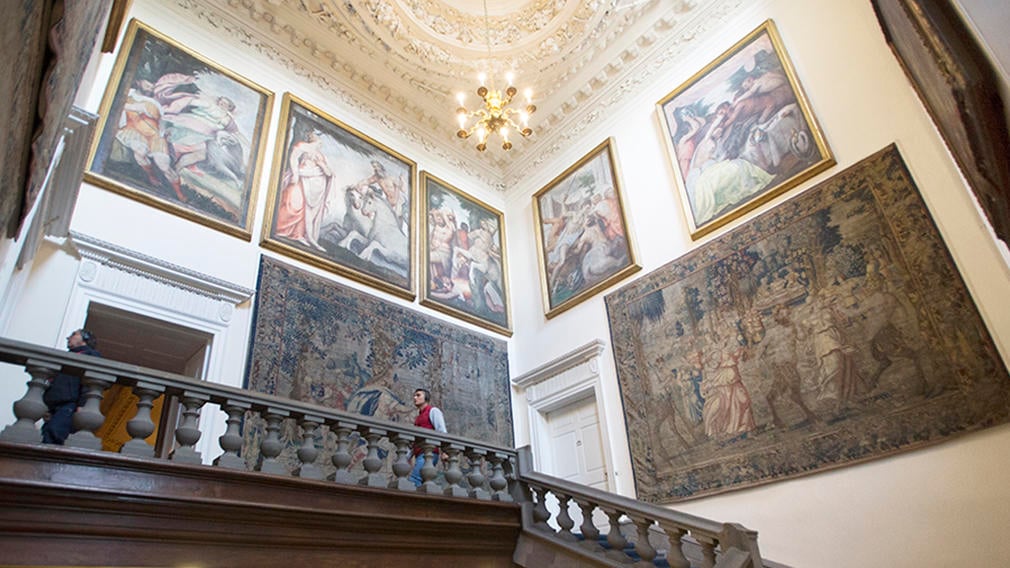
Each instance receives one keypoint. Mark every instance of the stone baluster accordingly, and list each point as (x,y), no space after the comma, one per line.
(707,550)
(498,482)
(342,456)
(89,417)
(188,433)
(271,445)
(141,426)
(372,462)
(564,520)
(428,472)
(453,473)
(590,534)
(643,548)
(308,452)
(401,467)
(615,540)
(675,555)
(30,408)
(476,477)
(231,440)
(540,512)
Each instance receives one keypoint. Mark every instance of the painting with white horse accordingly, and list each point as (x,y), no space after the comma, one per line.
(341,200)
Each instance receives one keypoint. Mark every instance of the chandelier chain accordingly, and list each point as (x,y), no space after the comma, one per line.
(495,116)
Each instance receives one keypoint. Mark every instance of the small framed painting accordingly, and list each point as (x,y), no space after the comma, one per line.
(582,231)
(463,252)
(341,201)
(740,132)
(181,134)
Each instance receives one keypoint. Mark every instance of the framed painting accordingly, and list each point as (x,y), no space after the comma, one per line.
(463,252)
(181,134)
(582,231)
(341,201)
(946,62)
(740,132)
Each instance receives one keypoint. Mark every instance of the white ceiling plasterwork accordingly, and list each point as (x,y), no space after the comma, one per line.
(399,63)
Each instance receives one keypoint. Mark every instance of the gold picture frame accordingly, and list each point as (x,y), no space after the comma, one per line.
(583,239)
(464,269)
(740,132)
(341,201)
(180,133)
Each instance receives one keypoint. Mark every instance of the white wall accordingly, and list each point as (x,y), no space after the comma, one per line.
(116,219)
(943,506)
(937,507)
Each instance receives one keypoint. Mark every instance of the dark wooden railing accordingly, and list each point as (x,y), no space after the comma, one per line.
(562,516)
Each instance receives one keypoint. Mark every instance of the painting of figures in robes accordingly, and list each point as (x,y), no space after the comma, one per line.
(582,231)
(464,256)
(831,330)
(740,132)
(181,133)
(341,201)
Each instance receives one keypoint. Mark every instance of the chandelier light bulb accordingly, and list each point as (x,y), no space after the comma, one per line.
(493,113)
(460,96)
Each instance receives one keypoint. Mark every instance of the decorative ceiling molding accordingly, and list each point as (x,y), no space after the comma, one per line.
(398,63)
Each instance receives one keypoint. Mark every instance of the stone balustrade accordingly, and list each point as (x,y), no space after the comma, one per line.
(288,444)
(467,468)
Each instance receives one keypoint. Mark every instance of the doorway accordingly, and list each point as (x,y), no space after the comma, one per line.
(147,342)
(574,432)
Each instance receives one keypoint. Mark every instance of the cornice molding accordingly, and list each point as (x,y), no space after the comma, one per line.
(587,353)
(157,270)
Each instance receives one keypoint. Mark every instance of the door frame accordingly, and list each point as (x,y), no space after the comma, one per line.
(121,278)
(569,379)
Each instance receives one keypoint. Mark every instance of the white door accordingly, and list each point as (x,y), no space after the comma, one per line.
(577,450)
(576,453)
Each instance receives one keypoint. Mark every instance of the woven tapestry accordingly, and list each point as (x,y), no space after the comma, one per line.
(320,342)
(831,330)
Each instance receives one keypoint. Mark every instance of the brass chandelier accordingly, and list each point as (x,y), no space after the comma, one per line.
(496,116)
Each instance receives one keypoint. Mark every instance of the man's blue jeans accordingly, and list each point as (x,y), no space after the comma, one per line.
(60,424)
(415,474)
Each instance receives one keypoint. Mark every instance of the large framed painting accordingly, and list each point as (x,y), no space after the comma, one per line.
(463,252)
(582,231)
(831,330)
(740,132)
(944,58)
(181,133)
(341,201)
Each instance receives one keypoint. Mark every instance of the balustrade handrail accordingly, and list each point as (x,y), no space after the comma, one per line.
(512,477)
(697,525)
(20,353)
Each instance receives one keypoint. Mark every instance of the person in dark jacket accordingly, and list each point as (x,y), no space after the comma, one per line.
(63,395)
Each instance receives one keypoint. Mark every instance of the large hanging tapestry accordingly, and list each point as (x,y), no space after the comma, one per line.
(320,342)
(832,330)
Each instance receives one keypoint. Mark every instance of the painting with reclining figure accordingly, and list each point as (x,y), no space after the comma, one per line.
(831,330)
(181,134)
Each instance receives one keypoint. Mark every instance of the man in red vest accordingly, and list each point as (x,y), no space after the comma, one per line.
(428,417)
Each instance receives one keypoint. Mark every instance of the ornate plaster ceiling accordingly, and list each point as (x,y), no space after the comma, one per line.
(401,62)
